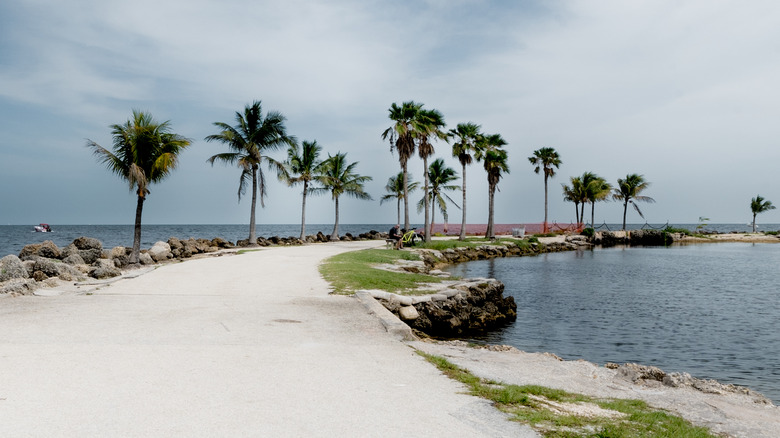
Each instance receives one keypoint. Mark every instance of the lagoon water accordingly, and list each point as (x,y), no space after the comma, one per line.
(710,309)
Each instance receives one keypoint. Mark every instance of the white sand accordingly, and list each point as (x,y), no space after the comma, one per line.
(248,345)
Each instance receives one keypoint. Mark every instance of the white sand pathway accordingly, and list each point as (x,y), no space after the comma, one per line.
(234,346)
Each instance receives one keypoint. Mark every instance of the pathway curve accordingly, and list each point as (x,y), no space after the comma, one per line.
(247,345)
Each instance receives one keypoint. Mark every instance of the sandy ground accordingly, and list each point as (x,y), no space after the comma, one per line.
(253,345)
(234,346)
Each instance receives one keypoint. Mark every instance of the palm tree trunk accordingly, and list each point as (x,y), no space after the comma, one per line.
(463,221)
(576,212)
(335,234)
(625,209)
(252,235)
(545,202)
(427,227)
(303,210)
(754,222)
(489,231)
(398,203)
(592,213)
(406,199)
(433,213)
(135,254)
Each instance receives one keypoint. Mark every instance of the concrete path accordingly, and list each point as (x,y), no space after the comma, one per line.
(234,346)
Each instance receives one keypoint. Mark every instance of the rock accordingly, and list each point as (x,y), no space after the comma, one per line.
(160,251)
(408,313)
(47,267)
(68,251)
(18,286)
(74,259)
(145,259)
(12,267)
(105,269)
(87,243)
(40,276)
(49,250)
(635,372)
(115,252)
(90,256)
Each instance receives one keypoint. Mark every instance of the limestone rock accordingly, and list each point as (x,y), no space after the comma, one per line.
(408,313)
(18,286)
(74,259)
(87,243)
(12,267)
(145,259)
(160,251)
(105,269)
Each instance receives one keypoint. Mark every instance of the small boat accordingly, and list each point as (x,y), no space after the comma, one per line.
(42,228)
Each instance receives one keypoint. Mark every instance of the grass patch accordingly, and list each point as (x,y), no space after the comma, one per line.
(244,251)
(533,405)
(354,270)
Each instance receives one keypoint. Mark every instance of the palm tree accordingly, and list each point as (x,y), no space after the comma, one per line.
(596,189)
(303,166)
(575,193)
(494,160)
(628,191)
(339,178)
(401,138)
(546,159)
(759,205)
(144,152)
(427,124)
(249,143)
(468,135)
(441,176)
(395,190)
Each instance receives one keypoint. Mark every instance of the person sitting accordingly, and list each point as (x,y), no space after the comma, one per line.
(395,234)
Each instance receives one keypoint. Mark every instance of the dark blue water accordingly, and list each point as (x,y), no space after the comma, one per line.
(14,237)
(710,310)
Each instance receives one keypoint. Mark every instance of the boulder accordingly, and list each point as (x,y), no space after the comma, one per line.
(90,256)
(160,251)
(18,286)
(52,268)
(86,243)
(49,250)
(12,267)
(105,269)
(74,259)
(408,313)
(145,259)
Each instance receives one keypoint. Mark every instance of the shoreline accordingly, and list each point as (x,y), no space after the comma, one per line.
(734,414)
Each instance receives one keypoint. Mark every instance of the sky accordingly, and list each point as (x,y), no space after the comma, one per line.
(685,93)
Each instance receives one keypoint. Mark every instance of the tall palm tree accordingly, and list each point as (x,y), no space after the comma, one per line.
(628,191)
(467,135)
(249,141)
(596,189)
(441,176)
(339,178)
(575,193)
(427,125)
(303,166)
(546,159)
(401,138)
(144,152)
(759,205)
(494,160)
(395,190)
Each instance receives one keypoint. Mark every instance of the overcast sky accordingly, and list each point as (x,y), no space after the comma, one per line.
(683,92)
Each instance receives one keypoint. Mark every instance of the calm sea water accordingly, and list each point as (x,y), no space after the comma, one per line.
(710,310)
(14,237)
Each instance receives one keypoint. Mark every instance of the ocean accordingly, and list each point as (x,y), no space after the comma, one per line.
(14,237)
(706,309)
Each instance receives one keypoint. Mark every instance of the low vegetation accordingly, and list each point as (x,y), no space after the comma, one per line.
(473,242)
(355,270)
(560,414)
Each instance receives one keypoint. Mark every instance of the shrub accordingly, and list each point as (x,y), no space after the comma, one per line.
(588,232)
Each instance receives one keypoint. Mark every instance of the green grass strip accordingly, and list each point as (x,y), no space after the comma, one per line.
(355,270)
(528,404)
